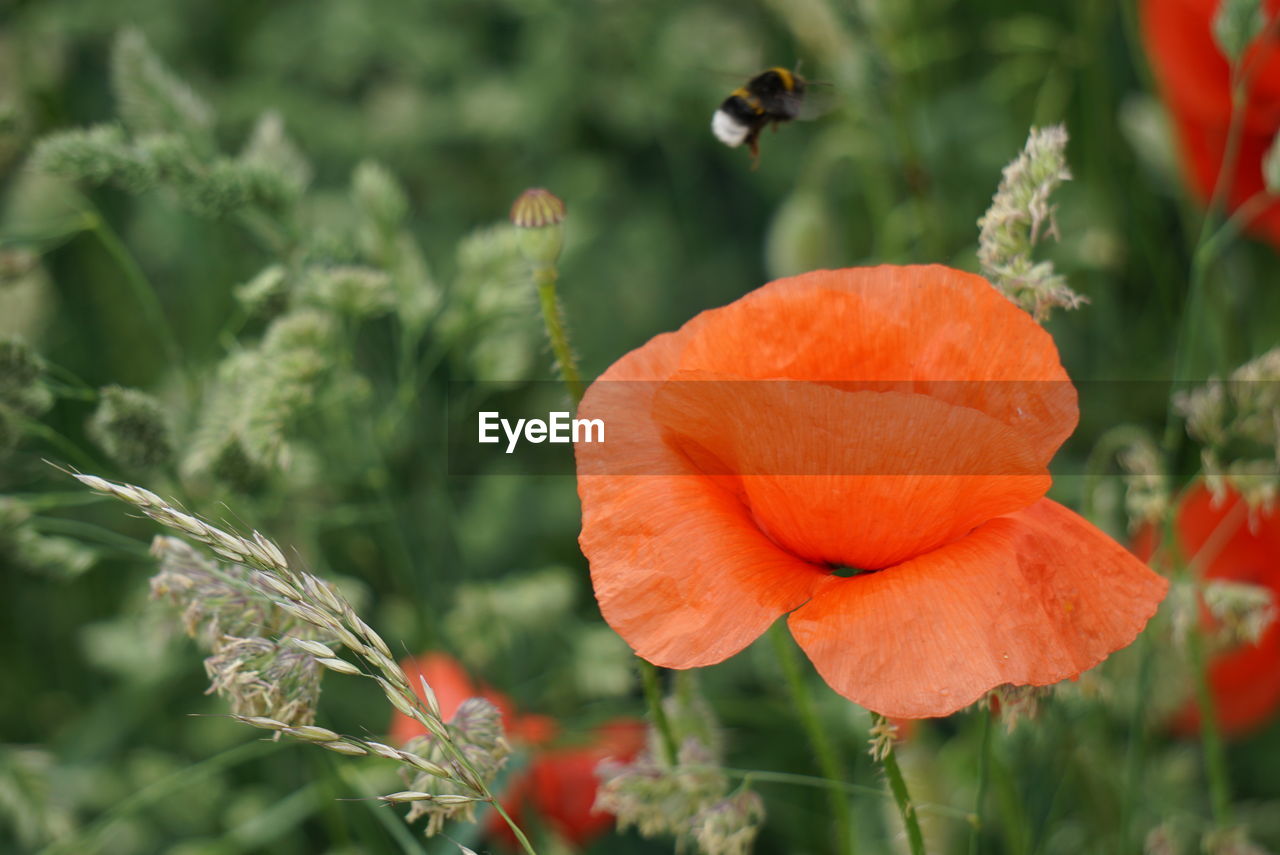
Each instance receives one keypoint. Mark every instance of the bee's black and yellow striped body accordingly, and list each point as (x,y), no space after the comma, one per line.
(771,97)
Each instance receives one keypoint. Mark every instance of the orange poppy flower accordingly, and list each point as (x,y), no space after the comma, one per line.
(559,784)
(905,428)
(1245,681)
(1195,82)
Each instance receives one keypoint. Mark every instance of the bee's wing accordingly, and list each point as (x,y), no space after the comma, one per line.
(818,100)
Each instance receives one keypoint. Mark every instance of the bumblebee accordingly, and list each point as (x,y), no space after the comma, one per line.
(772,97)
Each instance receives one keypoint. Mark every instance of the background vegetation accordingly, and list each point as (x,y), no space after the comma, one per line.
(301,294)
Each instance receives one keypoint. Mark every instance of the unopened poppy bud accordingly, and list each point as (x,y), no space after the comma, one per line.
(539,216)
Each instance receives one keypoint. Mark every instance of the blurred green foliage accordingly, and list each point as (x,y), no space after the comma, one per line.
(318,219)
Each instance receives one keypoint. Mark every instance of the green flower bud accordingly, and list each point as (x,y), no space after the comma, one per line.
(539,216)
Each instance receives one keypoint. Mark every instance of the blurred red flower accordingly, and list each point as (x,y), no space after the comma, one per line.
(1195,82)
(559,784)
(912,439)
(1219,539)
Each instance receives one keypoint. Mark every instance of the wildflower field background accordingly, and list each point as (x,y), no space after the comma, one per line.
(252,256)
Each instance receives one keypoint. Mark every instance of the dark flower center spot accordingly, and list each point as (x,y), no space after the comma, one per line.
(845,572)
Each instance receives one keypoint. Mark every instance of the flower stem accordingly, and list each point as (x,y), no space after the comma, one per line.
(653,697)
(553,318)
(1207,246)
(545,276)
(898,786)
(823,748)
(1215,758)
(766,776)
(1137,738)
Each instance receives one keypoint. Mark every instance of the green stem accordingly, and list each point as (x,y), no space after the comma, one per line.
(1013,814)
(545,278)
(1137,738)
(511,823)
(653,698)
(553,318)
(1230,155)
(823,747)
(898,786)
(984,761)
(829,783)
(1207,247)
(1215,757)
(143,292)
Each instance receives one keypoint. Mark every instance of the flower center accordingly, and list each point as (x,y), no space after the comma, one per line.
(845,572)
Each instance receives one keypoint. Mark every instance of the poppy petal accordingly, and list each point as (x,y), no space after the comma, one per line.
(1029,599)
(830,473)
(684,589)
(925,329)
(691,589)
